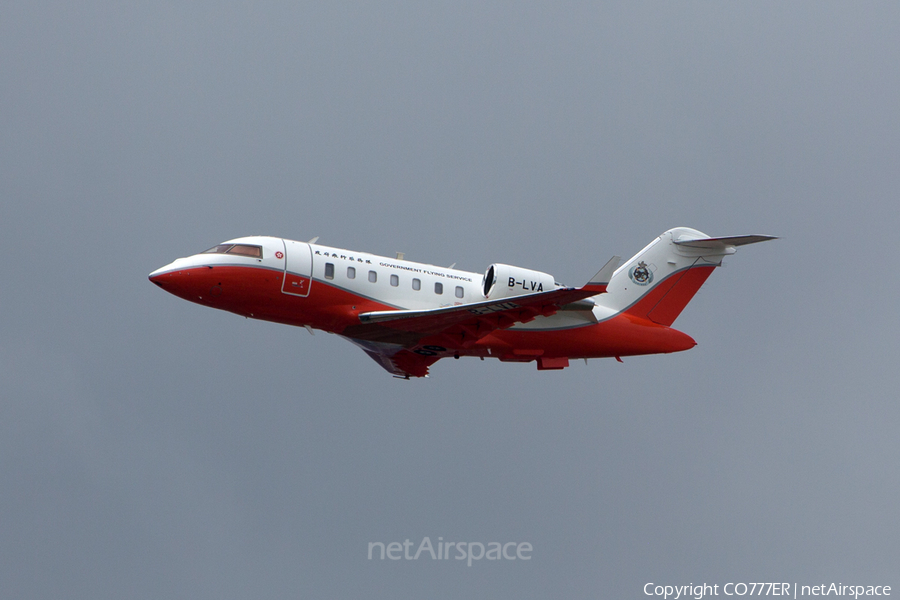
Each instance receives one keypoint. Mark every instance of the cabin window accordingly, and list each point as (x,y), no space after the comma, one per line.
(459,291)
(373,276)
(351,272)
(395,280)
(438,288)
(417,284)
(329,270)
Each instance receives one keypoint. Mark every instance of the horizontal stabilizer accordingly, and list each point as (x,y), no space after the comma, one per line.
(715,243)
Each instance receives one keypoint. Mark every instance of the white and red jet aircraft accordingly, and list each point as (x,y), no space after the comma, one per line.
(409,315)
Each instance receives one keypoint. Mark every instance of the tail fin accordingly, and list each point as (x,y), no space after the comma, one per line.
(660,280)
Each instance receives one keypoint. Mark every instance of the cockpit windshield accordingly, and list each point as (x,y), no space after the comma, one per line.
(240,249)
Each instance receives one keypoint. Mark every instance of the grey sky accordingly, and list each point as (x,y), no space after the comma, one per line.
(153,448)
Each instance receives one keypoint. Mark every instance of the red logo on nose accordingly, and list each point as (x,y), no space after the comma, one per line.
(279,255)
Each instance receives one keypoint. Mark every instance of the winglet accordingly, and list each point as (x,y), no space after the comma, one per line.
(599,281)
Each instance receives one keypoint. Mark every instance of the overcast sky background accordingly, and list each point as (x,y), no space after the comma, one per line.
(153,448)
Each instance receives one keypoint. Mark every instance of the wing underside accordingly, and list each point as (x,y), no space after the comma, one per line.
(396,360)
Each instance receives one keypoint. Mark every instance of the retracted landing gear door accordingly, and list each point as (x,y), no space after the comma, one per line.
(297,268)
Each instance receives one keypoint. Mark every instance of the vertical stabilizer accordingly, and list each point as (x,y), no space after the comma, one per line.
(659,281)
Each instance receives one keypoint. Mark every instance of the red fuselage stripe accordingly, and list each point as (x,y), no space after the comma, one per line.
(258,292)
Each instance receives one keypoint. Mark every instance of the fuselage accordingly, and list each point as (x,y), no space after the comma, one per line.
(321,287)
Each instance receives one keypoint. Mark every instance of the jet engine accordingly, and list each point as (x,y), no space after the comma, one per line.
(505,281)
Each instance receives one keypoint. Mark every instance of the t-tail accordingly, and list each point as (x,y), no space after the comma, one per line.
(660,280)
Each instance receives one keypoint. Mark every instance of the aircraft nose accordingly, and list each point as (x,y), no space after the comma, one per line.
(156,278)
(187,282)
(159,276)
(166,280)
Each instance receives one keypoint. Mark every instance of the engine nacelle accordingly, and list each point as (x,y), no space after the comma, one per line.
(505,281)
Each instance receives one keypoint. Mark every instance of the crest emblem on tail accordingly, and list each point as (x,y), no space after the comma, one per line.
(641,274)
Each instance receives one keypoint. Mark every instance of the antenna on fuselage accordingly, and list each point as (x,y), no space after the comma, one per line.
(451,266)
(400,256)
(314,240)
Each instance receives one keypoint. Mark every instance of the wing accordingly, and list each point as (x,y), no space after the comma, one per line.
(463,325)
(396,360)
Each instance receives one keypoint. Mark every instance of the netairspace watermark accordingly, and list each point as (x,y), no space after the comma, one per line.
(469,551)
(795,590)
